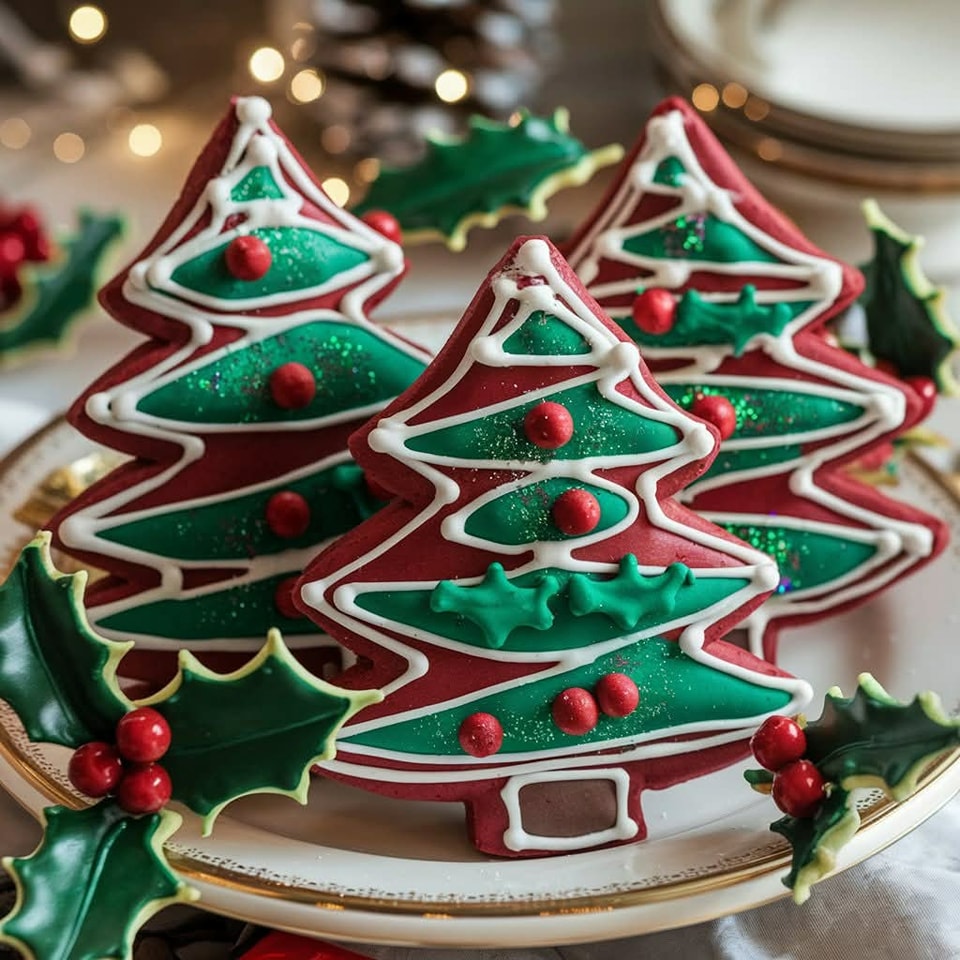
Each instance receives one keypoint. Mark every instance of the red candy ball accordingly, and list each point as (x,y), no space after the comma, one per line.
(926,389)
(12,252)
(143,735)
(798,789)
(95,769)
(292,386)
(480,735)
(548,425)
(778,741)
(283,599)
(617,694)
(384,223)
(144,789)
(576,512)
(575,711)
(716,410)
(288,514)
(654,311)
(248,257)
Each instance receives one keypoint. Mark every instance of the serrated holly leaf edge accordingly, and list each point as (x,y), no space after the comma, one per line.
(274,647)
(922,288)
(169,823)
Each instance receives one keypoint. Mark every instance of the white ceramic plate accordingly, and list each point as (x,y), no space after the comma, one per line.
(351,865)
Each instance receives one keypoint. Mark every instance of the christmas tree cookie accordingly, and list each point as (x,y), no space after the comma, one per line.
(44,286)
(260,362)
(543,617)
(728,301)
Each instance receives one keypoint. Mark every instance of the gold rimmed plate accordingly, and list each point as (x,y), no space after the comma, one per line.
(352,865)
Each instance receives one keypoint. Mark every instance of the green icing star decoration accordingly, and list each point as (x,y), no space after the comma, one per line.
(631,595)
(869,740)
(476,180)
(257,730)
(496,605)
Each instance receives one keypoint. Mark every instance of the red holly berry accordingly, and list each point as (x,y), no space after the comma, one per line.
(292,386)
(548,425)
(12,253)
(654,311)
(384,223)
(283,598)
(288,514)
(926,389)
(716,410)
(480,735)
(95,769)
(778,741)
(143,735)
(617,694)
(575,512)
(26,222)
(575,711)
(145,788)
(248,257)
(798,789)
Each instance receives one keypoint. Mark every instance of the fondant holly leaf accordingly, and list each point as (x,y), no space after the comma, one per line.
(907,321)
(867,740)
(54,293)
(496,605)
(631,595)
(98,875)
(476,180)
(257,730)
(817,840)
(55,671)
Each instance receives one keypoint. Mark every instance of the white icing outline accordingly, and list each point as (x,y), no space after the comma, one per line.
(255,143)
(516,837)
(616,361)
(884,405)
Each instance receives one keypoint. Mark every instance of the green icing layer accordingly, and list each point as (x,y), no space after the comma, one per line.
(806,558)
(543,334)
(674,690)
(244,611)
(523,516)
(700,322)
(601,428)
(698,236)
(734,461)
(353,368)
(670,172)
(258,184)
(236,527)
(303,258)
(412,609)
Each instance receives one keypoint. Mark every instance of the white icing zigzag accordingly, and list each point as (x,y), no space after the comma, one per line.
(150,286)
(899,545)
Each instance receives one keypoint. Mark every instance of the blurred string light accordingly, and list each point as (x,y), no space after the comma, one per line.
(451,86)
(705,97)
(68,147)
(266,64)
(15,133)
(306,86)
(145,140)
(336,138)
(367,170)
(337,190)
(87,24)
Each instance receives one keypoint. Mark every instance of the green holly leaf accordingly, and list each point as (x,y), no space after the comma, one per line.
(54,293)
(868,740)
(874,740)
(907,321)
(496,605)
(98,875)
(55,671)
(257,730)
(817,840)
(630,596)
(476,180)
